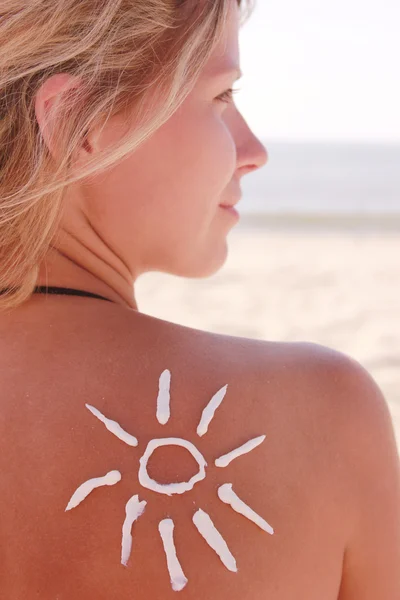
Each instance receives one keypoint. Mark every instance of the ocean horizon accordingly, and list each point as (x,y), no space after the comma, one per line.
(317,183)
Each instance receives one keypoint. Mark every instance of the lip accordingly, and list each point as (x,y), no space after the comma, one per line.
(228,205)
(231,204)
(230,208)
(234,199)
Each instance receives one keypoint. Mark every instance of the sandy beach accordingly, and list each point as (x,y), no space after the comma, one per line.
(339,288)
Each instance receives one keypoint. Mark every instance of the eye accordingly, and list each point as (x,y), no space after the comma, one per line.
(227,96)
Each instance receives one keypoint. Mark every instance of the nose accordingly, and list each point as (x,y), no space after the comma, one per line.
(251,152)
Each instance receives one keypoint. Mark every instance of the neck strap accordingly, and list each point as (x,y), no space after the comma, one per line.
(61,291)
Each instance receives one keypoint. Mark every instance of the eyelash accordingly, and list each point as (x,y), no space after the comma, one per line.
(227,96)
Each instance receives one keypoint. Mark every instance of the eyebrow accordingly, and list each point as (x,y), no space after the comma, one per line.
(226,72)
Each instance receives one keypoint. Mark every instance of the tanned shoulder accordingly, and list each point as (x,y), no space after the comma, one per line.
(367,460)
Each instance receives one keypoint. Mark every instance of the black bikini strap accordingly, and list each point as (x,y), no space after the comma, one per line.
(61,291)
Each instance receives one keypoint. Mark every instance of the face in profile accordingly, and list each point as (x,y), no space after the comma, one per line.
(159,209)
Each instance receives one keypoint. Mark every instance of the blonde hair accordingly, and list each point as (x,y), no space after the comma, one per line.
(122,51)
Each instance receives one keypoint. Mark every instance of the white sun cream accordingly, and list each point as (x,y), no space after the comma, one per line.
(214,539)
(209,411)
(134,509)
(86,488)
(163,400)
(114,427)
(228,496)
(224,461)
(171,488)
(178,578)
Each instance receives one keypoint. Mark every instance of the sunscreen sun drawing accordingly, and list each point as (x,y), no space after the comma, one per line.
(201,520)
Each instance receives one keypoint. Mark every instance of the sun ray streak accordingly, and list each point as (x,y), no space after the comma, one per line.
(134,509)
(214,539)
(177,576)
(209,411)
(164,398)
(228,496)
(86,488)
(226,459)
(114,427)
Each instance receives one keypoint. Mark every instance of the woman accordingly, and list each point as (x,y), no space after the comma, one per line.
(121,149)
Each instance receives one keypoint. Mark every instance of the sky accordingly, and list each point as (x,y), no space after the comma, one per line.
(322,70)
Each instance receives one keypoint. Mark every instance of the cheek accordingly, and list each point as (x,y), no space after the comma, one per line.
(206,151)
(177,176)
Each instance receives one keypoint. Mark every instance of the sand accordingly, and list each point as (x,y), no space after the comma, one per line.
(339,288)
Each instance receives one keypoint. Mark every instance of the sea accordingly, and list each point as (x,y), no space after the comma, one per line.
(341,184)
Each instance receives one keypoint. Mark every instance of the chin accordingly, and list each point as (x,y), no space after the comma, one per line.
(201,267)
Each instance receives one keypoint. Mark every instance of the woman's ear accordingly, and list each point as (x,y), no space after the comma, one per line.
(47,102)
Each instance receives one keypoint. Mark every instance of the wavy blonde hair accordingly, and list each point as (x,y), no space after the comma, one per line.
(122,51)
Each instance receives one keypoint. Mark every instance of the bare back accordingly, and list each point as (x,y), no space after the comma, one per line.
(297,480)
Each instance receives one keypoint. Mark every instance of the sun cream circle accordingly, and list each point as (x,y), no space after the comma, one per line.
(171,488)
